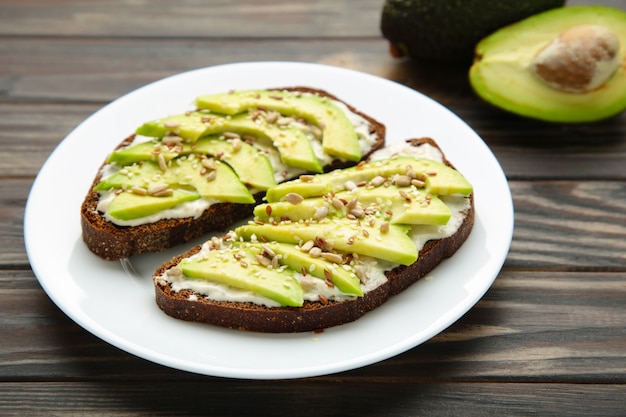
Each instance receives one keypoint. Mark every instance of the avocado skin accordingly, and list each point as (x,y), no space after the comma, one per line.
(448,30)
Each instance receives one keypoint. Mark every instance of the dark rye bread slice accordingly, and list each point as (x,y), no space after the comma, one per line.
(112,242)
(311,316)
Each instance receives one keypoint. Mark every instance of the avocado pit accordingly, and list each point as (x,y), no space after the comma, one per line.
(581,59)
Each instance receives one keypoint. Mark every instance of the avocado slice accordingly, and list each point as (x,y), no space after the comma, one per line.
(392,244)
(429,30)
(144,151)
(183,172)
(135,175)
(129,206)
(346,280)
(339,136)
(403,205)
(527,68)
(238,267)
(190,126)
(252,167)
(292,143)
(439,178)
(221,184)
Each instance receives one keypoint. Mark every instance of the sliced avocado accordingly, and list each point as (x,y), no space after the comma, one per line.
(344,279)
(190,126)
(239,268)
(292,143)
(449,30)
(529,68)
(144,151)
(306,189)
(403,205)
(282,210)
(136,175)
(220,182)
(252,166)
(339,136)
(431,211)
(129,206)
(187,172)
(392,244)
(439,178)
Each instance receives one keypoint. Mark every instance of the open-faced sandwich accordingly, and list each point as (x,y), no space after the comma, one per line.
(182,176)
(325,249)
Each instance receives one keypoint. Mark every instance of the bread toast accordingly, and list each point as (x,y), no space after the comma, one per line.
(112,242)
(189,305)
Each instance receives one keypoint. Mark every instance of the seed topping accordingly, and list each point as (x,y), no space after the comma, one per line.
(294,198)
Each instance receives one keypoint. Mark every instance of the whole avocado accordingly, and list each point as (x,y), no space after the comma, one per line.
(448,30)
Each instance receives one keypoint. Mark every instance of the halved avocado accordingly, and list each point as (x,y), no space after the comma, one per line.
(565,65)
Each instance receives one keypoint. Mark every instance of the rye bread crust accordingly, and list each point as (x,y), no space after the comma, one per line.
(112,242)
(312,316)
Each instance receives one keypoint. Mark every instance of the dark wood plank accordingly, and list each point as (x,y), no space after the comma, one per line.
(29,132)
(189,18)
(569,225)
(310,398)
(529,327)
(533,327)
(12,202)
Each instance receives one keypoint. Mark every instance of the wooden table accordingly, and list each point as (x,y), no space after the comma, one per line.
(548,338)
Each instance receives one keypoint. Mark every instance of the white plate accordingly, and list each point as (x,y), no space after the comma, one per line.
(105,299)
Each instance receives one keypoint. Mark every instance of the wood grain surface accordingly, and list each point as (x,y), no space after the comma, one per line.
(548,338)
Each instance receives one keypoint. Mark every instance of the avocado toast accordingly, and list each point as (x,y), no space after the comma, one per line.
(185,175)
(325,249)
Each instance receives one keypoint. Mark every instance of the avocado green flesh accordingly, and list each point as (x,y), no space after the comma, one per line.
(182,173)
(225,187)
(439,178)
(394,245)
(139,175)
(420,210)
(129,206)
(500,74)
(252,167)
(295,259)
(145,151)
(189,126)
(239,268)
(339,137)
(292,143)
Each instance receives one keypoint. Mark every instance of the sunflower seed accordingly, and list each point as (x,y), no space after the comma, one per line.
(294,198)
(332,257)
